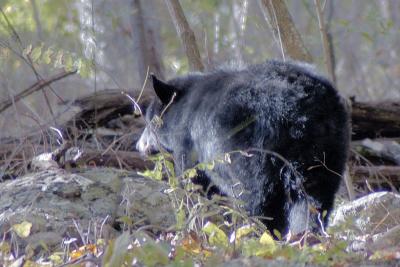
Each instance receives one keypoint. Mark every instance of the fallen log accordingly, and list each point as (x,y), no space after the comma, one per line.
(375,119)
(369,119)
(378,177)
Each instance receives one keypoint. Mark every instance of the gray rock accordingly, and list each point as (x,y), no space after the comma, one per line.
(369,223)
(83,205)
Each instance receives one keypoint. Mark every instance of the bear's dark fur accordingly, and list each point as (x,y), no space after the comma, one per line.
(290,120)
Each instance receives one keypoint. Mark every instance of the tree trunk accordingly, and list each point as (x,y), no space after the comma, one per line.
(325,42)
(36,16)
(139,41)
(186,35)
(285,30)
(151,27)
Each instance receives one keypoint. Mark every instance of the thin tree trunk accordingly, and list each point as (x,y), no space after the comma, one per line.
(239,11)
(139,41)
(325,41)
(185,34)
(36,17)
(151,27)
(283,27)
(328,24)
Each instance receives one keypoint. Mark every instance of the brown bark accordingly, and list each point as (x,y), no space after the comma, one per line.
(152,34)
(284,28)
(369,119)
(378,177)
(375,119)
(186,35)
(325,41)
(139,40)
(146,39)
(110,104)
(130,160)
(387,171)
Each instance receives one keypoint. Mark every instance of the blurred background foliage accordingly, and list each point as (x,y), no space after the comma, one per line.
(99,38)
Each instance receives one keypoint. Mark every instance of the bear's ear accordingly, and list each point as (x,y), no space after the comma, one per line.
(163,90)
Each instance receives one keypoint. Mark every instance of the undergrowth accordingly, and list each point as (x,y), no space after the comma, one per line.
(208,232)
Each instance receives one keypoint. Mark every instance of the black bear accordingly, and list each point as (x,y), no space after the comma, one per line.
(291,123)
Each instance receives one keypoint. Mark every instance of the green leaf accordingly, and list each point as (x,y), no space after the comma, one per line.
(244,231)
(116,251)
(36,53)
(277,234)
(157,175)
(324,213)
(180,217)
(206,166)
(253,247)
(151,253)
(126,220)
(367,37)
(189,173)
(69,62)
(216,236)
(84,68)
(47,56)
(56,258)
(170,168)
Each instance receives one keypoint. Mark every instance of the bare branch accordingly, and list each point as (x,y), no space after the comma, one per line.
(33,88)
(185,34)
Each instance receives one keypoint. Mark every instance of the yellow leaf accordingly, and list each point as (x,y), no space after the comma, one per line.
(319,247)
(36,53)
(47,56)
(215,235)
(100,242)
(83,250)
(277,234)
(241,232)
(266,239)
(5,248)
(254,247)
(206,166)
(190,244)
(190,173)
(30,263)
(244,231)
(268,243)
(23,229)
(56,258)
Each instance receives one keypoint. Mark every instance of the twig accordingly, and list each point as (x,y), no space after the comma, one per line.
(27,59)
(33,88)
